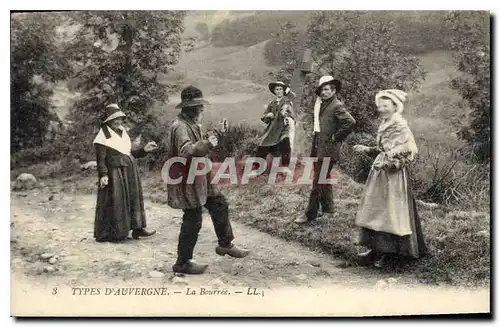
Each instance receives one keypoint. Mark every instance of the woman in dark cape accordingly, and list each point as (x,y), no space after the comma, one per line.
(120,204)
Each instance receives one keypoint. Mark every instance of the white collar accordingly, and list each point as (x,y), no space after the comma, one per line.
(119,143)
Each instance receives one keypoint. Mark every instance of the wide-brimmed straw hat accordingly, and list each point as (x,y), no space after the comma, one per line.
(273,85)
(325,80)
(111,112)
(191,97)
(397,96)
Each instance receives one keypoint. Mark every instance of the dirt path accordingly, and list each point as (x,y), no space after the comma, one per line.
(63,227)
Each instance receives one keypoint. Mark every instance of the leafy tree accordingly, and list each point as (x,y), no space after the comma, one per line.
(366,57)
(36,63)
(471,43)
(362,53)
(123,56)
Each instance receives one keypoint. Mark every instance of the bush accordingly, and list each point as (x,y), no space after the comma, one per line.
(368,61)
(442,175)
(48,152)
(471,43)
(149,46)
(238,141)
(36,64)
(416,32)
(364,56)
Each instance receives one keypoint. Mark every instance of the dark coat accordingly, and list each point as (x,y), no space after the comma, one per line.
(186,141)
(336,121)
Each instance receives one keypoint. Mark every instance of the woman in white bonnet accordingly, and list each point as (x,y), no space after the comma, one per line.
(387,216)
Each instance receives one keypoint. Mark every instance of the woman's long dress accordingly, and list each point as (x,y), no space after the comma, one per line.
(120,205)
(388,215)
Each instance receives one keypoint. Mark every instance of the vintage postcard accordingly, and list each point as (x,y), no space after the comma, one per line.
(250,163)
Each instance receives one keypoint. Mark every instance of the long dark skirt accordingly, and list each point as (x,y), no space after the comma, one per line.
(410,246)
(120,205)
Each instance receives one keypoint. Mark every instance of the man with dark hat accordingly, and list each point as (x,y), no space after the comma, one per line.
(332,124)
(279,135)
(186,141)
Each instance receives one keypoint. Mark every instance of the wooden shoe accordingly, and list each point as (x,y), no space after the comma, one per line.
(232,250)
(190,268)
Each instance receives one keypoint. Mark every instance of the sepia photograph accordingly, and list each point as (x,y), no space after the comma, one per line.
(250,163)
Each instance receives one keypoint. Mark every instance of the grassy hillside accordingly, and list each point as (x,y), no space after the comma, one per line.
(435,110)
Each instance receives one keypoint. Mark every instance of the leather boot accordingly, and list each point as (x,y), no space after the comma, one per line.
(141,232)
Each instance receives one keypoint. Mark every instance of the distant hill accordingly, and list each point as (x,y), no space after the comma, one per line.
(210,17)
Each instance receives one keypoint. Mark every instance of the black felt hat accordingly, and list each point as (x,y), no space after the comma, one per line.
(191,97)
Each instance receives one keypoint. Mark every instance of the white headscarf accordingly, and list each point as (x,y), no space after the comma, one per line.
(399,97)
(398,136)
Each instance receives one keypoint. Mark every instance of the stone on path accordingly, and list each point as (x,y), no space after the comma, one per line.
(49,269)
(25,182)
(46,256)
(156,274)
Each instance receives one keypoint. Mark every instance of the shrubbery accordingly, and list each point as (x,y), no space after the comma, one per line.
(471,43)
(36,63)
